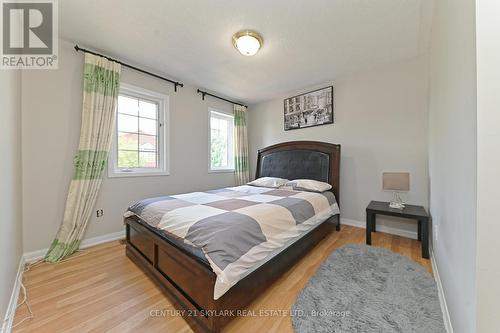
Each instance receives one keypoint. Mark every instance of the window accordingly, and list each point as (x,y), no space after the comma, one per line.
(140,141)
(221,154)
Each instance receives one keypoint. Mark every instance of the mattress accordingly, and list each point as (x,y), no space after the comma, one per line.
(236,229)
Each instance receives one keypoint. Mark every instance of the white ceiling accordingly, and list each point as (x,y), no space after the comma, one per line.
(305,42)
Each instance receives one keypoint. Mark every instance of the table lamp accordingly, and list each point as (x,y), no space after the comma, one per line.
(396,182)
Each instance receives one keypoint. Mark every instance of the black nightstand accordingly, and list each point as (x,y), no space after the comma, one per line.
(410,212)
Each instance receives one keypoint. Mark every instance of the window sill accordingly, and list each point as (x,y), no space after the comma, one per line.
(137,174)
(221,171)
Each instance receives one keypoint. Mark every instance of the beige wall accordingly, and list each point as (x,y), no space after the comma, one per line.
(452,155)
(488,166)
(10,183)
(51,123)
(381,123)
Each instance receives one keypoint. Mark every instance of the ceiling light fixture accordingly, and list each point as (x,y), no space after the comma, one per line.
(247,42)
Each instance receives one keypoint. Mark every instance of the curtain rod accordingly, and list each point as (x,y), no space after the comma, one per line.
(175,83)
(203,93)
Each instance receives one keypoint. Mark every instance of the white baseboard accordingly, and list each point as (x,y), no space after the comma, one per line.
(39,254)
(14,297)
(381,228)
(442,298)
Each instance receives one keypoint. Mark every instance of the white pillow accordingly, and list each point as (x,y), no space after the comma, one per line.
(309,185)
(268,182)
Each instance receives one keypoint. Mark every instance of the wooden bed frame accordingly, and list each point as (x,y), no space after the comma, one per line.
(189,281)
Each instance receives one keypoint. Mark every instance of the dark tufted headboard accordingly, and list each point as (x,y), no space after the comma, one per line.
(301,159)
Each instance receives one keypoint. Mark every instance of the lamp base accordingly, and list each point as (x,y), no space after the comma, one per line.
(397,205)
(396,202)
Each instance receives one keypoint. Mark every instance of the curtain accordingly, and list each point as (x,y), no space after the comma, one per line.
(101,80)
(240,145)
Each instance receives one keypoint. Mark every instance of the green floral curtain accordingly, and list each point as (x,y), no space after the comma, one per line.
(240,145)
(101,80)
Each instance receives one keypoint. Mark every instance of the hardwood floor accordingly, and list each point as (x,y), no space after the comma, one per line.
(103,291)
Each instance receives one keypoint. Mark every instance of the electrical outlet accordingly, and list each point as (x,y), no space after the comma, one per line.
(100,213)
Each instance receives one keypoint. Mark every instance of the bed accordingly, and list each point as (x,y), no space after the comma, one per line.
(197,281)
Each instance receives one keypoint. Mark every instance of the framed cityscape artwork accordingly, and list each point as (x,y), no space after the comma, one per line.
(310,109)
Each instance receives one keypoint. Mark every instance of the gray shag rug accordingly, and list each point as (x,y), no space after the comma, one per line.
(361,288)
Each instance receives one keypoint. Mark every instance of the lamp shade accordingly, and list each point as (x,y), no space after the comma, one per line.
(396,181)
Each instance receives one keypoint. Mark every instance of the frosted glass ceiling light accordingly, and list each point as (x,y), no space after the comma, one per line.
(247,42)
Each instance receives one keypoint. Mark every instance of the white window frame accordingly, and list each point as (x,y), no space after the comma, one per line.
(163,136)
(227,115)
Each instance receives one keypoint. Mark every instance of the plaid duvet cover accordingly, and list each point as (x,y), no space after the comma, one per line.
(237,228)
